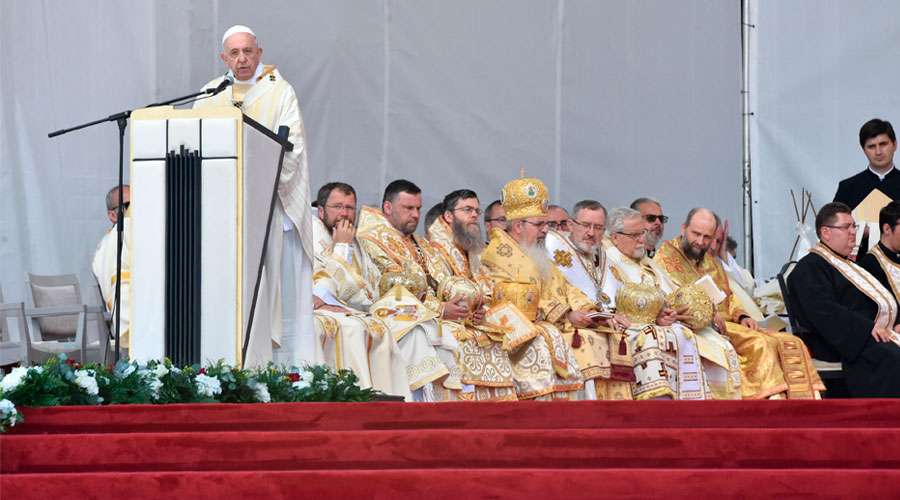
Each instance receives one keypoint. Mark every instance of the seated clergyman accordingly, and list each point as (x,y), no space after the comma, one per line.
(848,315)
(345,285)
(525,276)
(773,364)
(455,236)
(388,237)
(667,362)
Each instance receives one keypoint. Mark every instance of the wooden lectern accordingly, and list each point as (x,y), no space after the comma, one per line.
(203,184)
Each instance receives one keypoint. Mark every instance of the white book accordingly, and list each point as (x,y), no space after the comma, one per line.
(716,295)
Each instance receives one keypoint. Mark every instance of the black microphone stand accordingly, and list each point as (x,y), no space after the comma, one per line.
(121,120)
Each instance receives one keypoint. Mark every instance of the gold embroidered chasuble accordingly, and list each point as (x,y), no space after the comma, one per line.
(545,297)
(484,363)
(392,252)
(771,362)
(666,358)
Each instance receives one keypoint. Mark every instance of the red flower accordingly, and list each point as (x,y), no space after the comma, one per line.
(294,377)
(202,371)
(70,361)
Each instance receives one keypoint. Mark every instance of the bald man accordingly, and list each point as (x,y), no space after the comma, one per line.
(769,368)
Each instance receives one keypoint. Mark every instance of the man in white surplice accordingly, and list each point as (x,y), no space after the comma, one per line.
(345,285)
(667,357)
(104,263)
(263,94)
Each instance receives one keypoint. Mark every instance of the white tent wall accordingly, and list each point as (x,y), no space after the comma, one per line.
(601,99)
(819,71)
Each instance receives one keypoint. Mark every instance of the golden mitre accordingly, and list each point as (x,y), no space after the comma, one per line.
(640,302)
(456,286)
(697,302)
(411,278)
(523,198)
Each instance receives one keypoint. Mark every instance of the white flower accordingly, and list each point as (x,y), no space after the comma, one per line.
(262,392)
(7,408)
(307,375)
(160,371)
(300,384)
(208,386)
(13,379)
(85,379)
(129,369)
(155,386)
(37,369)
(7,413)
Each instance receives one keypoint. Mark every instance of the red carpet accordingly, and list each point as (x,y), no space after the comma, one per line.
(831,448)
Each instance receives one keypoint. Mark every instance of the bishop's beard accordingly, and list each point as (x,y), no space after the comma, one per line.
(537,253)
(468,239)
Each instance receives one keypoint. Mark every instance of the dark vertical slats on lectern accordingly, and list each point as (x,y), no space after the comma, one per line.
(197,198)
(182,303)
(170,251)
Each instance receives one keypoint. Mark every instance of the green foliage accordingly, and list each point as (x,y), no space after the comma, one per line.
(61,381)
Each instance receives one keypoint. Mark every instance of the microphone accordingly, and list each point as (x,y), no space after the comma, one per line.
(228,80)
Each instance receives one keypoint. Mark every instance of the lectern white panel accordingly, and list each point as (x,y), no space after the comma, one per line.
(184,132)
(148,178)
(219,137)
(219,266)
(148,139)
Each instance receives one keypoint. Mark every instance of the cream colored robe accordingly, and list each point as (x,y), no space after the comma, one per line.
(104,269)
(343,276)
(271,101)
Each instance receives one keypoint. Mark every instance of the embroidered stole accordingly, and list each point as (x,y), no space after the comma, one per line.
(587,273)
(865,283)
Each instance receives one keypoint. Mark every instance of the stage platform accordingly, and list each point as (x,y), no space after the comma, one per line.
(835,448)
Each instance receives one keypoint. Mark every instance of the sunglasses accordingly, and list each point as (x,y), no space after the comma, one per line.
(651,218)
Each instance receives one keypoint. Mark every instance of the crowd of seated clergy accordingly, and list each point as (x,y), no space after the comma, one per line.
(525,300)
(543,303)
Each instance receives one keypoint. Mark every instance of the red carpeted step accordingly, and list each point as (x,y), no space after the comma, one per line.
(424,449)
(859,413)
(437,484)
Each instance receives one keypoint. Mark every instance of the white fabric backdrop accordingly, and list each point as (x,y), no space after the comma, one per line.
(603,99)
(820,70)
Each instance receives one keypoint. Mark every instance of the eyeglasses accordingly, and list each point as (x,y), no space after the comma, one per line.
(124,207)
(502,220)
(651,218)
(843,227)
(469,210)
(587,225)
(338,206)
(539,225)
(634,236)
(558,224)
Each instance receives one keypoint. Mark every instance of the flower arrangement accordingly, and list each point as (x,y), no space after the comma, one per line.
(62,381)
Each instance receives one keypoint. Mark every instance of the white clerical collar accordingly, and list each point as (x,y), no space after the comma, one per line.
(252,80)
(881,176)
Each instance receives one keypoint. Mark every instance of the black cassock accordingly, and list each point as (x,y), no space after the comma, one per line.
(839,319)
(854,190)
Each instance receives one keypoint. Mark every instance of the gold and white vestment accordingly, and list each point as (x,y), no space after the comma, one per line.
(344,277)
